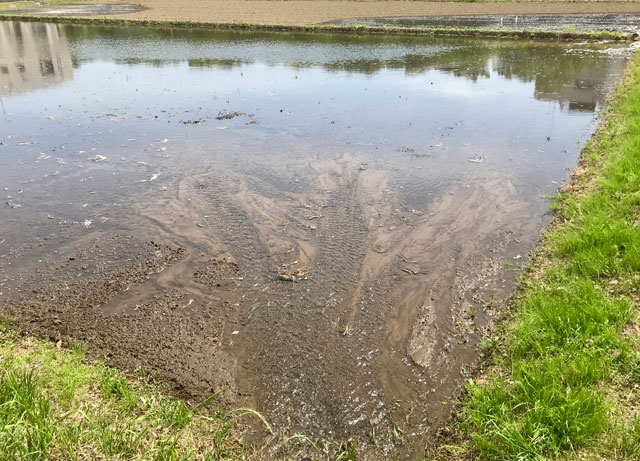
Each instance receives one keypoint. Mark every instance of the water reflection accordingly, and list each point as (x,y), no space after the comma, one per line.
(565,81)
(32,55)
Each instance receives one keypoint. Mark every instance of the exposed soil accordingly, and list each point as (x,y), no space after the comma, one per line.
(305,12)
(318,11)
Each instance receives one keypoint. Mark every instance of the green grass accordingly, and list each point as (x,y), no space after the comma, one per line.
(55,405)
(564,382)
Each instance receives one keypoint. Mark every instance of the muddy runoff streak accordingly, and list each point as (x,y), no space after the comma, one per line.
(162,187)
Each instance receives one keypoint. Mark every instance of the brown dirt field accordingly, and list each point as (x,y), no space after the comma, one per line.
(306,12)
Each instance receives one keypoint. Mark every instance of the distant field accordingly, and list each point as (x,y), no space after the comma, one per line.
(305,12)
(317,11)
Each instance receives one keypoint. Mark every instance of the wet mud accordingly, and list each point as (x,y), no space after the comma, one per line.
(332,240)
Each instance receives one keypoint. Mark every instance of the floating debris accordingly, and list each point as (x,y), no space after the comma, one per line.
(98,158)
(228,115)
(153,177)
(479,159)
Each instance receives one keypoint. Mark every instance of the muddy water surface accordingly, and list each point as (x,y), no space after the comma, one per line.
(326,224)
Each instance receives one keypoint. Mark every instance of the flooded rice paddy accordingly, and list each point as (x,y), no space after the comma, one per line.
(327,224)
(618,22)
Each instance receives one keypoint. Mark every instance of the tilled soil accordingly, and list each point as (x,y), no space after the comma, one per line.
(307,12)
(298,12)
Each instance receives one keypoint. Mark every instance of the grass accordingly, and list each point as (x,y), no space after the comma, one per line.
(55,405)
(564,383)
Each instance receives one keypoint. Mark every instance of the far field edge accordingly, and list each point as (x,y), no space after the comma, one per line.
(328,28)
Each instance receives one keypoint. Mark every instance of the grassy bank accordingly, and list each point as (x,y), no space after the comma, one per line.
(568,34)
(56,405)
(565,381)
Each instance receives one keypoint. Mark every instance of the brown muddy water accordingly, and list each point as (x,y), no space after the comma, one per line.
(326,224)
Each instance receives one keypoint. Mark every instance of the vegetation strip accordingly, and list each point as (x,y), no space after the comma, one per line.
(55,405)
(565,378)
(568,34)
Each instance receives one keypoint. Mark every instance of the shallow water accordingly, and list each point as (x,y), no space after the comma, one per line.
(618,22)
(401,181)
